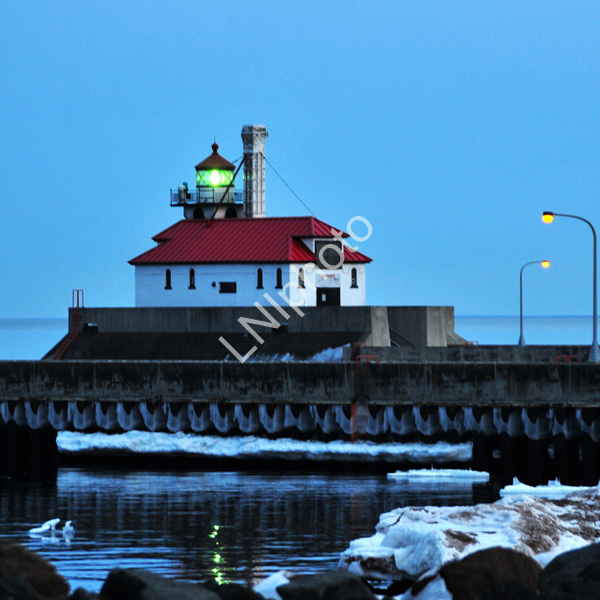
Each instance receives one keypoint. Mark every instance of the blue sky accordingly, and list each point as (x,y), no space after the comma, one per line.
(450,126)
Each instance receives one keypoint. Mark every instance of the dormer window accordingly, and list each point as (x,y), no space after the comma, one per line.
(330,254)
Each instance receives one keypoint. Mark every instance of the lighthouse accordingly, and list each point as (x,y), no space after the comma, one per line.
(226,251)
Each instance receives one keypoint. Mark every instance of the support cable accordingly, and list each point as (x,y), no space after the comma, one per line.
(229,186)
(289,188)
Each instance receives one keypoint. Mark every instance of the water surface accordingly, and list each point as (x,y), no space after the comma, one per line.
(234,526)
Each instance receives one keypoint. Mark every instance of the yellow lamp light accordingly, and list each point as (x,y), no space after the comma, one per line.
(548,217)
(545,264)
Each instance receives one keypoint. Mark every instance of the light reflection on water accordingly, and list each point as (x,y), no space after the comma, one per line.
(233,526)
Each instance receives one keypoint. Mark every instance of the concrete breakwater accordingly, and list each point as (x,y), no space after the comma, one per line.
(547,412)
(476,384)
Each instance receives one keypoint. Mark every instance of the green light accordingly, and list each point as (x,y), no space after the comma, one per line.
(214,178)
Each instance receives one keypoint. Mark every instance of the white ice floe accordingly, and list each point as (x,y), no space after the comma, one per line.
(440,474)
(48,528)
(253,447)
(412,541)
(268,587)
(68,530)
(554,489)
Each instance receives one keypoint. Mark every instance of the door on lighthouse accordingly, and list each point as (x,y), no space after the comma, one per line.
(328,296)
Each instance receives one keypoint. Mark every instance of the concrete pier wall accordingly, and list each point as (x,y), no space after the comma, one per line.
(476,353)
(419,325)
(436,384)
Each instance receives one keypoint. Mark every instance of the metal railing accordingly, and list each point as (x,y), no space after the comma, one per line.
(204,196)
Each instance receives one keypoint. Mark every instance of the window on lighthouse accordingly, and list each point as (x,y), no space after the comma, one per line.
(168,280)
(330,254)
(192,285)
(259,279)
(354,278)
(279,283)
(301,277)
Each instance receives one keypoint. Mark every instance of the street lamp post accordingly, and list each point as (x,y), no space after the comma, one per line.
(545,264)
(594,356)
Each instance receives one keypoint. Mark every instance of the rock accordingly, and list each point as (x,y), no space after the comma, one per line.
(329,585)
(475,574)
(232,591)
(83,594)
(132,584)
(572,575)
(14,588)
(509,590)
(29,567)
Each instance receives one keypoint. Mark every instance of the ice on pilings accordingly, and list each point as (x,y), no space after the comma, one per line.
(271,422)
(106,415)
(256,418)
(248,423)
(222,417)
(177,418)
(36,414)
(199,422)
(82,415)
(128,416)
(58,415)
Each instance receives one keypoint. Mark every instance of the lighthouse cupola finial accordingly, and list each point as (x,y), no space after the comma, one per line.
(253,137)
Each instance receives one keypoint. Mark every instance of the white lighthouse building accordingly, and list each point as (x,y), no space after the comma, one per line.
(227,252)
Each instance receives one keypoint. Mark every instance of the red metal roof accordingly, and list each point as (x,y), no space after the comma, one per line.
(274,239)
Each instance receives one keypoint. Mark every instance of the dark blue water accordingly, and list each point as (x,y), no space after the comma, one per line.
(536,330)
(234,526)
(29,339)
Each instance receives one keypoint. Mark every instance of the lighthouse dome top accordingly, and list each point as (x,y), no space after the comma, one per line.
(214,171)
(215,161)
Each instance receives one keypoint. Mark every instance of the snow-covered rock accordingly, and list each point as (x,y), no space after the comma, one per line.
(410,542)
